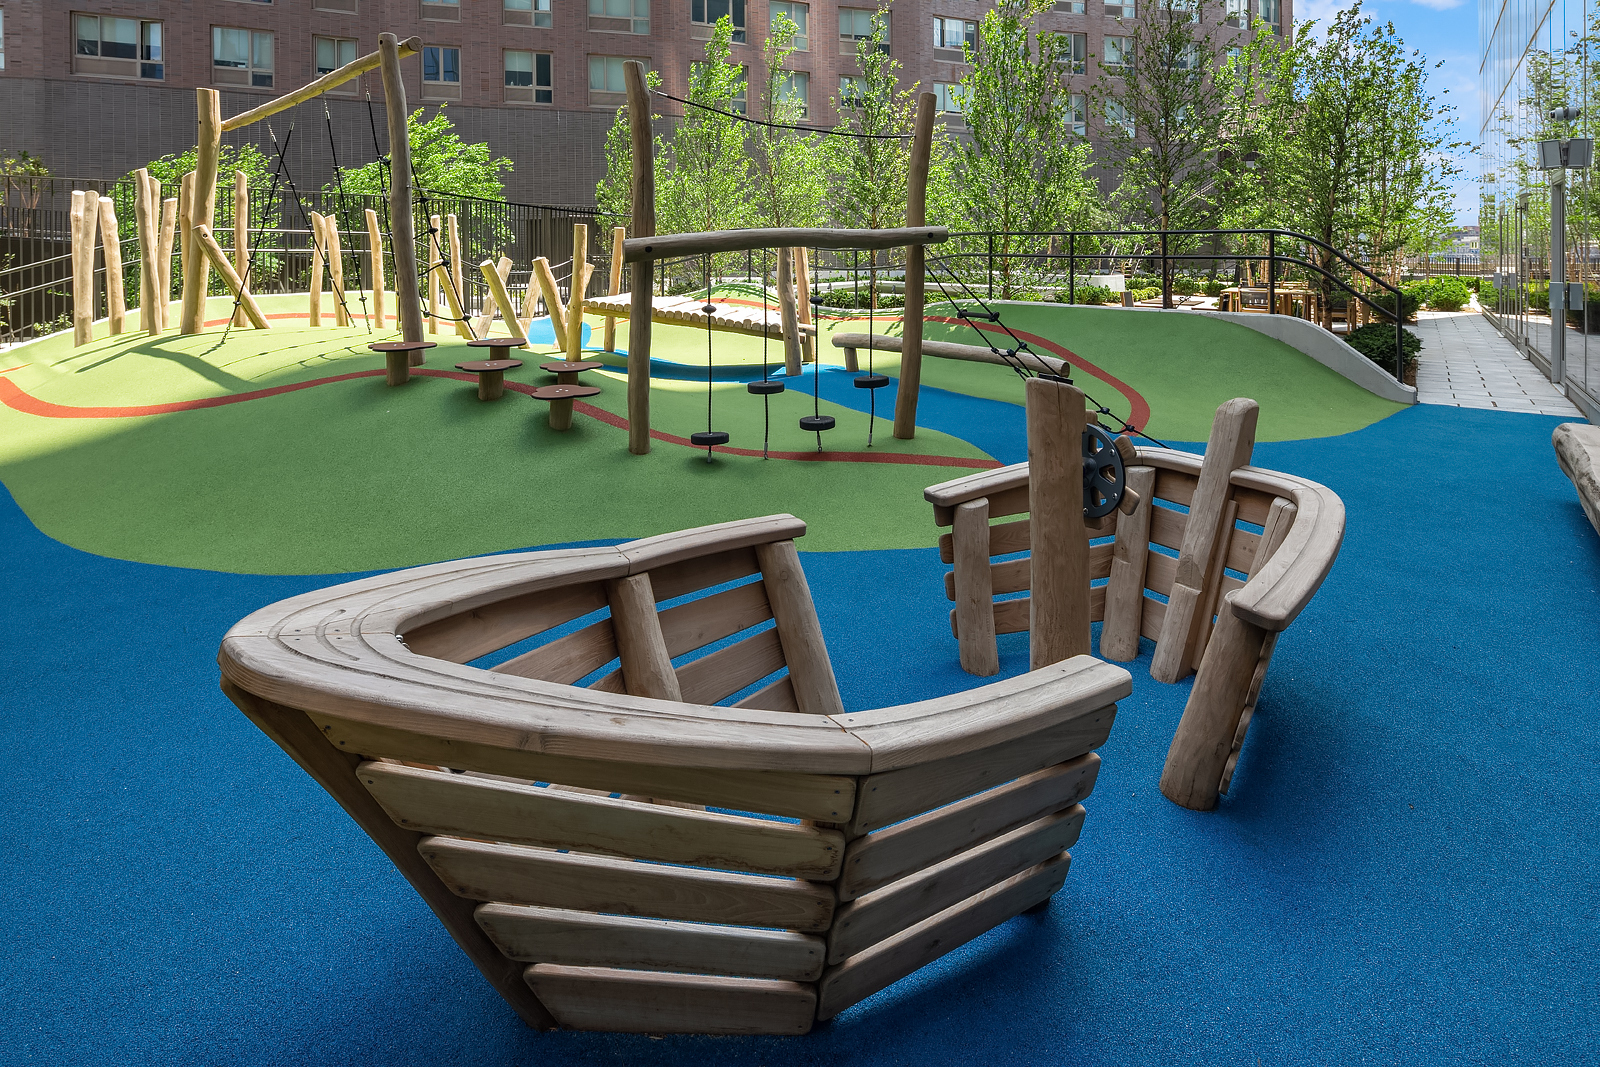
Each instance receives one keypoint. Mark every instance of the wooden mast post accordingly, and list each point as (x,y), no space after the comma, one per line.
(202,208)
(241,234)
(802,279)
(375,255)
(787,312)
(319,256)
(618,234)
(575,287)
(144,215)
(84,223)
(905,400)
(111,243)
(1059,600)
(169,226)
(408,303)
(644,225)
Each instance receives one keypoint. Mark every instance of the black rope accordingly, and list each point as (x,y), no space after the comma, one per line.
(299,204)
(446,261)
(782,125)
(872,300)
(766,365)
(338,179)
(383,186)
(710,310)
(255,244)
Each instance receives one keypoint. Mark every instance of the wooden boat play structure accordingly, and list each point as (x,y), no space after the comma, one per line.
(581,843)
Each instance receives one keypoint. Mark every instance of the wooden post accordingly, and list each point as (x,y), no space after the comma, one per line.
(169,225)
(458,277)
(498,296)
(202,207)
(435,264)
(208,247)
(644,225)
(816,692)
(1204,738)
(905,400)
(1119,636)
(241,234)
(974,582)
(335,253)
(402,234)
(111,243)
(618,235)
(580,276)
(802,278)
(186,251)
(83,224)
(149,238)
(1233,435)
(646,664)
(787,318)
(318,258)
(375,255)
(1059,597)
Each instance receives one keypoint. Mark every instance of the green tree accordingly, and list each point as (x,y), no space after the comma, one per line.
(1022,169)
(441,161)
(791,179)
(614,193)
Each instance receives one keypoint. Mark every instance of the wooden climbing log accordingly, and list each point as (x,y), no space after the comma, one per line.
(111,246)
(643,227)
(319,256)
(1119,636)
(144,217)
(644,247)
(618,235)
(335,254)
(816,692)
(169,224)
(458,276)
(502,271)
(241,234)
(500,298)
(905,401)
(202,207)
(787,312)
(1233,435)
(332,80)
(84,223)
(974,587)
(880,342)
(208,247)
(546,280)
(402,232)
(575,288)
(1059,601)
(380,317)
(435,265)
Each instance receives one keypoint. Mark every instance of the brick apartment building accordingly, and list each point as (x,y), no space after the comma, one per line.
(97,87)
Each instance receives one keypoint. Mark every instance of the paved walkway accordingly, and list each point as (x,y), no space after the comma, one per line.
(1465,363)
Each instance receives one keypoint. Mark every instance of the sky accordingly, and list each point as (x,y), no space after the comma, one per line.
(1445,31)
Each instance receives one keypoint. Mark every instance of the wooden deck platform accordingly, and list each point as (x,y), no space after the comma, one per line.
(685,311)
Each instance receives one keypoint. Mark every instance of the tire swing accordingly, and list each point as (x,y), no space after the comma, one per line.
(871,381)
(816,422)
(708,438)
(766,388)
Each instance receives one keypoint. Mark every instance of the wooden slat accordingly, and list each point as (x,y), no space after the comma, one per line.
(566,659)
(881,914)
(971,586)
(888,961)
(1097,603)
(1012,576)
(654,1002)
(518,874)
(1253,504)
(1242,546)
(698,543)
(584,939)
(490,627)
(1004,539)
(728,670)
(1160,570)
(1009,502)
(779,696)
(1176,486)
(917,843)
(827,798)
(1210,593)
(700,622)
(673,580)
(887,798)
(1119,637)
(437,802)
(1010,617)
(1155,612)
(1167,526)
(946,495)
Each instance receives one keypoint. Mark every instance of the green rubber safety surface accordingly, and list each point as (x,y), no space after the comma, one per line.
(355,475)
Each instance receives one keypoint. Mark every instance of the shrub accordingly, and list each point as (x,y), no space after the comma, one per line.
(1539,297)
(1488,295)
(1376,341)
(1213,287)
(1185,286)
(1095,294)
(1448,294)
(1151,293)
(1409,300)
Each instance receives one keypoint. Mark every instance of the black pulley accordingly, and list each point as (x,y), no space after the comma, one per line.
(709,309)
(707,438)
(1104,478)
(816,423)
(765,387)
(872,381)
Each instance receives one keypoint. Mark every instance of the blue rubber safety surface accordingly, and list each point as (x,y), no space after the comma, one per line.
(1403,871)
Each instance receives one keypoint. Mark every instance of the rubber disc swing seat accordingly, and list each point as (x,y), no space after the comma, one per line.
(816,422)
(708,438)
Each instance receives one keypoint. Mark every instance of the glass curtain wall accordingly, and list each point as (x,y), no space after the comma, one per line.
(1538,55)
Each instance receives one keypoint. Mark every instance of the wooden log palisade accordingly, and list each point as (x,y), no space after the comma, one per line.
(568,812)
(1269,539)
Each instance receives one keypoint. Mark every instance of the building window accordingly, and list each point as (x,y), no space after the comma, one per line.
(333,53)
(1077,115)
(2,38)
(1116,53)
(344,7)
(1068,7)
(1118,118)
(1074,57)
(707,12)
(1123,10)
(119,48)
(800,15)
(528,79)
(855,24)
(620,16)
(949,35)
(948,96)
(442,10)
(241,57)
(852,91)
(1184,10)
(795,87)
(441,72)
(1272,14)
(1237,12)
(737,102)
(534,13)
(606,85)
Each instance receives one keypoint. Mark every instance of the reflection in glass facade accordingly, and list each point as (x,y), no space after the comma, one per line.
(1537,55)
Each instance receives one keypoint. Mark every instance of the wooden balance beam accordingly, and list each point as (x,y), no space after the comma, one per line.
(879,342)
(686,311)
(926,824)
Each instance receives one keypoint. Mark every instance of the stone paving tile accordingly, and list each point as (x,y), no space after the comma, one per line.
(1466,363)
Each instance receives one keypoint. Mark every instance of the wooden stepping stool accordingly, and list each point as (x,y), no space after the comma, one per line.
(397,357)
(561,398)
(491,375)
(567,371)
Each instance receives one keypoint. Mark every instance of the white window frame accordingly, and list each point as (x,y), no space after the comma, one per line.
(966,31)
(1123,10)
(1117,117)
(612,13)
(534,88)
(349,87)
(535,13)
(134,68)
(256,76)
(852,90)
(947,98)
(700,14)
(1124,51)
(1077,114)
(793,80)
(802,37)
